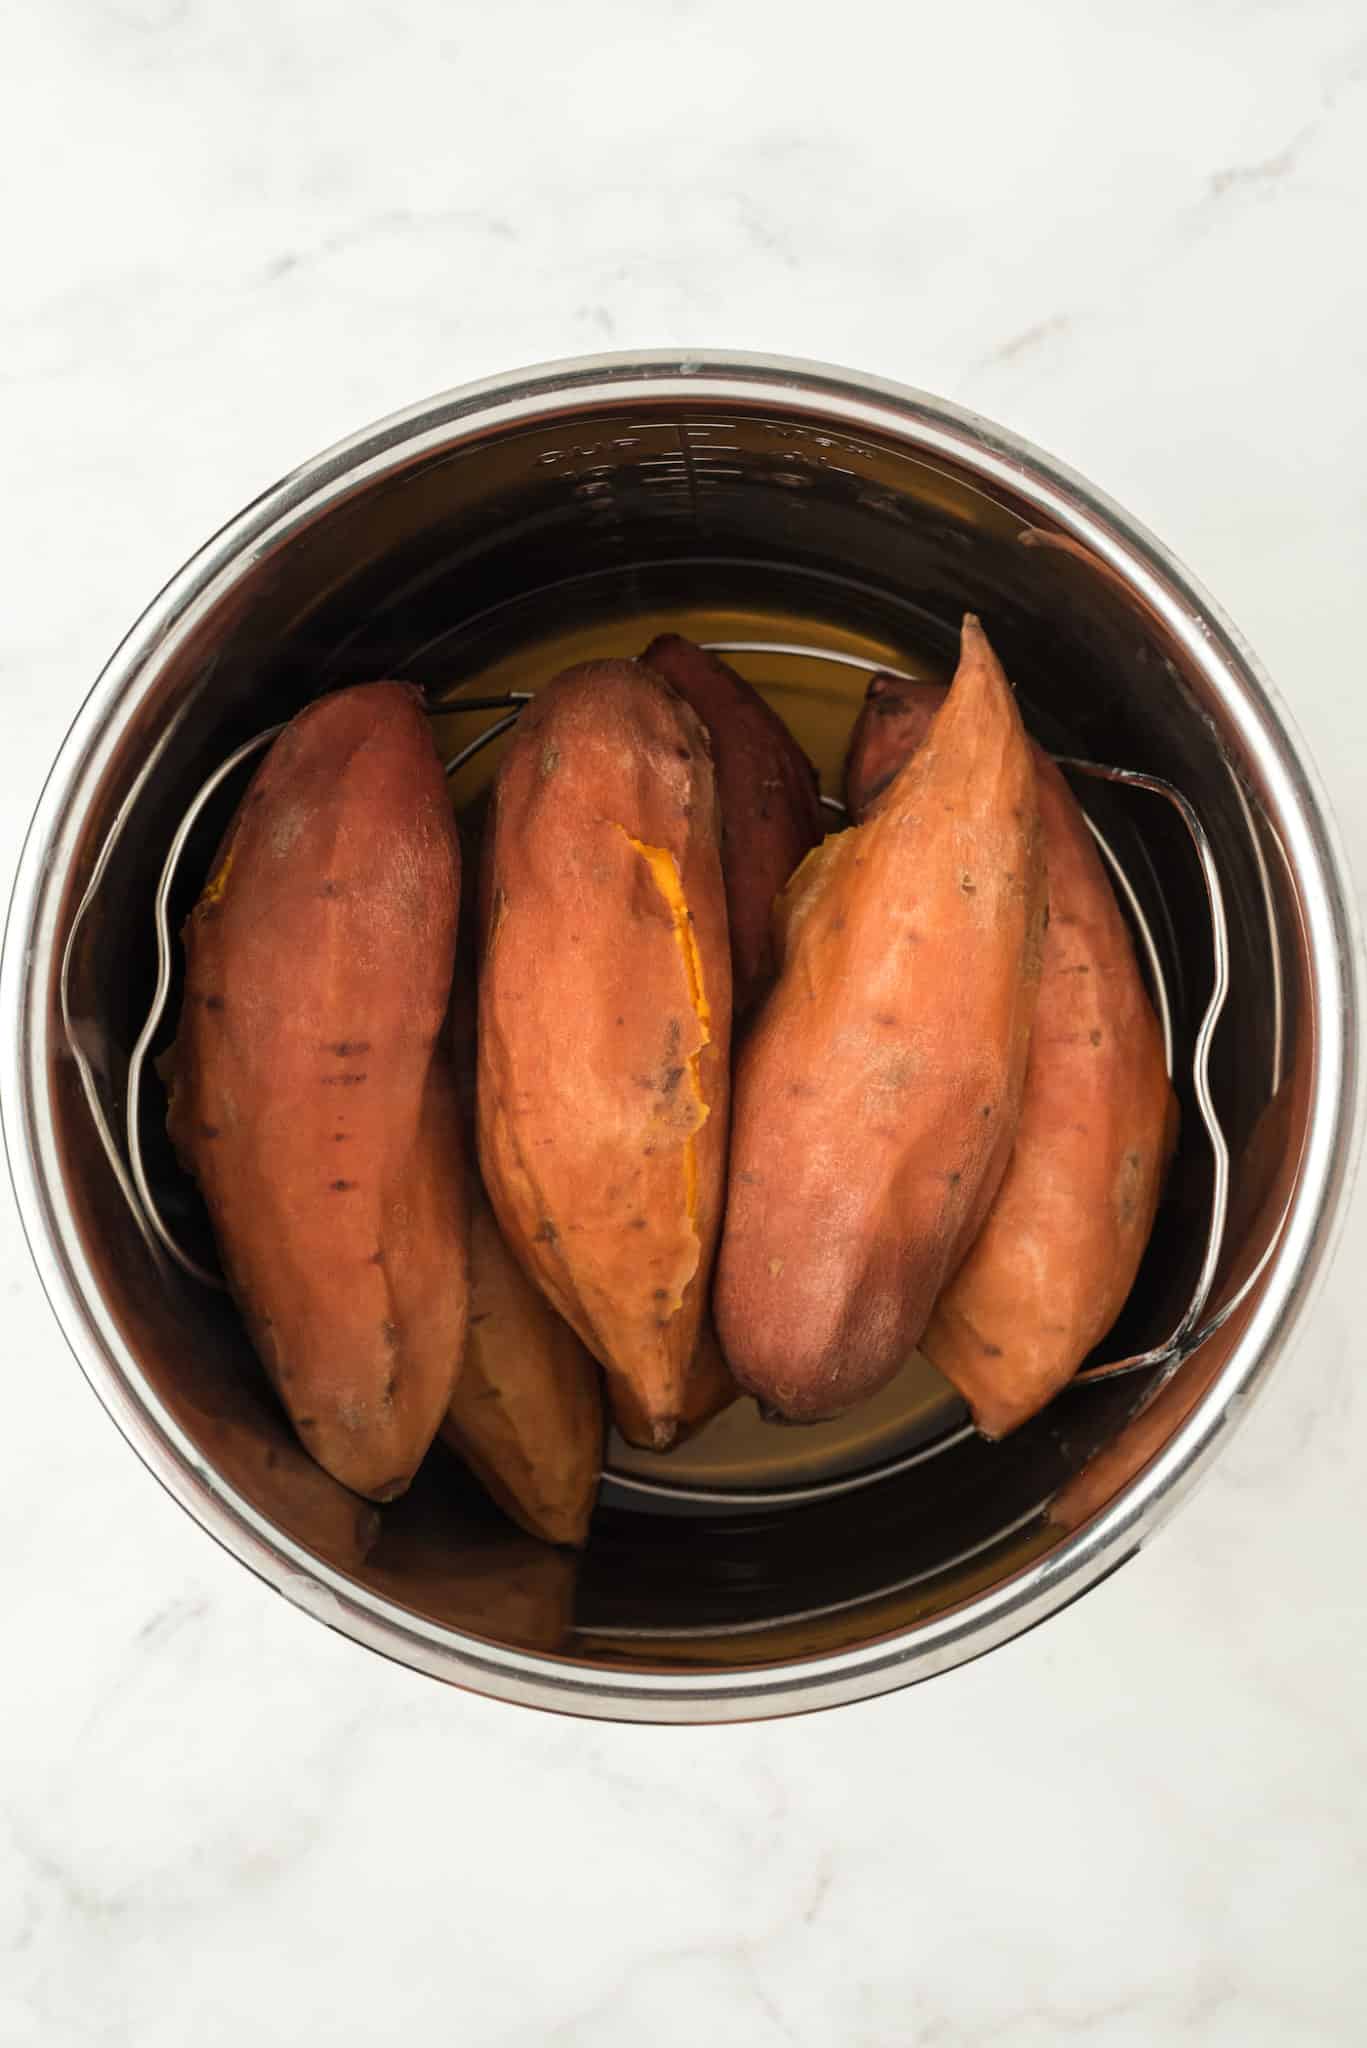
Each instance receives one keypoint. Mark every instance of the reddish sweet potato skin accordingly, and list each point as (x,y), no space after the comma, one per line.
(527,1411)
(312,1096)
(770,803)
(605,1022)
(893,720)
(1264,1181)
(1058,1253)
(876,1100)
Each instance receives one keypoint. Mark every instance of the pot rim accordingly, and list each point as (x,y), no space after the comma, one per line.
(840,401)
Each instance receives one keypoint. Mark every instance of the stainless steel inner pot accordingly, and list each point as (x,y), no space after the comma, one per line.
(466,537)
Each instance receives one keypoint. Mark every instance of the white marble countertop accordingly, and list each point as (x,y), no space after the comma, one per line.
(235,233)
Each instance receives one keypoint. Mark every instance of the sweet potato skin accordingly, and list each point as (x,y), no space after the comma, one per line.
(1262,1187)
(605,1021)
(527,1411)
(1059,1251)
(709,1387)
(877,1097)
(312,1098)
(893,720)
(770,803)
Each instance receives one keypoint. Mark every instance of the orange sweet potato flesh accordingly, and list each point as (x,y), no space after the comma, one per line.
(527,1411)
(876,1100)
(1057,1256)
(605,1023)
(770,806)
(312,1096)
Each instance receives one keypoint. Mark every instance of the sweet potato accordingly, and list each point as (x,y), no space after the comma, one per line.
(605,1022)
(527,1411)
(877,1097)
(770,806)
(312,1097)
(1261,1192)
(1057,1256)
(708,1388)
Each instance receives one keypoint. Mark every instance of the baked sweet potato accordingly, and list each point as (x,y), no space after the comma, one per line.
(605,1023)
(312,1097)
(1057,1256)
(1260,1195)
(877,1097)
(770,804)
(527,1411)
(709,1386)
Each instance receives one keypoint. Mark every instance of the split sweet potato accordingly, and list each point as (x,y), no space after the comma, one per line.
(312,1097)
(605,1022)
(1058,1253)
(770,803)
(875,1103)
(527,1412)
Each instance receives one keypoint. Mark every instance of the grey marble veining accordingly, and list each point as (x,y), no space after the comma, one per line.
(234,234)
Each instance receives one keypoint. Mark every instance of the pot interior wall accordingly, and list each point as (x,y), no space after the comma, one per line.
(479,562)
